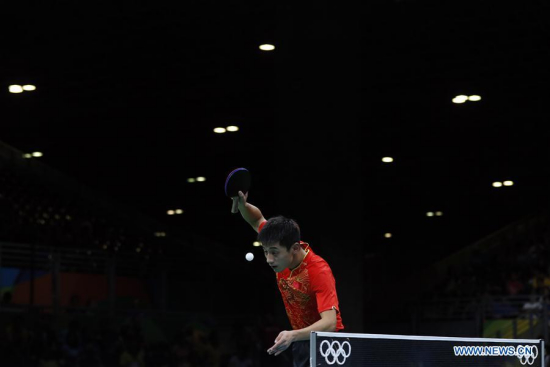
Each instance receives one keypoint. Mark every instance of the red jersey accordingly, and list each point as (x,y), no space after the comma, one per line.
(309,290)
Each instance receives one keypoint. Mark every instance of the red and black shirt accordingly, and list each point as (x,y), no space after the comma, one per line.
(309,290)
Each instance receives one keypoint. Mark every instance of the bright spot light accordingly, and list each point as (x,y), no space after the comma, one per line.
(497,184)
(201,179)
(232,128)
(429,214)
(474,98)
(219,130)
(387,235)
(27,155)
(179,211)
(256,244)
(460,99)
(191,180)
(387,159)
(37,154)
(267,47)
(15,89)
(508,183)
(29,87)
(170,212)
(438,214)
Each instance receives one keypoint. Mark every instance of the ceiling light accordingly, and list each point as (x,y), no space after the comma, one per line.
(497,184)
(201,179)
(37,154)
(438,214)
(191,180)
(219,130)
(27,155)
(508,183)
(179,211)
(429,214)
(474,98)
(387,159)
(15,89)
(170,212)
(29,87)
(232,128)
(256,244)
(387,235)
(460,99)
(267,47)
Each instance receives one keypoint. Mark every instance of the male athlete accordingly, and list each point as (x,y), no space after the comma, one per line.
(304,279)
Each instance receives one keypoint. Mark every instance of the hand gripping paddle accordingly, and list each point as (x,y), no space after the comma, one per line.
(238,180)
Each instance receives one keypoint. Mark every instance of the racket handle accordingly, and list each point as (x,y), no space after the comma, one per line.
(235,206)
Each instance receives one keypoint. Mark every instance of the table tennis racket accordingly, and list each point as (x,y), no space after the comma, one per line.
(238,180)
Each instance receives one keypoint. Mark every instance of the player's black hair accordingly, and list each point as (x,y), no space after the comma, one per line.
(280,229)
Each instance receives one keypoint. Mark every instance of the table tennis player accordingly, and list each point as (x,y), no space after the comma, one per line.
(305,280)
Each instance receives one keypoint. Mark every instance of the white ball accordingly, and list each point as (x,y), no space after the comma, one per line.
(250,256)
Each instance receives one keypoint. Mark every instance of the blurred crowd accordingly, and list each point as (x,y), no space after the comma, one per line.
(36,212)
(509,279)
(27,340)
(520,267)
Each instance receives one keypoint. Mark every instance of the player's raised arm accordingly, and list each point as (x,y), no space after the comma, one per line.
(250,213)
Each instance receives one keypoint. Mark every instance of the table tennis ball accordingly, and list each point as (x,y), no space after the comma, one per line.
(250,256)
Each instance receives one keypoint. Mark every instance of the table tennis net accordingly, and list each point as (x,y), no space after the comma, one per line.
(373,350)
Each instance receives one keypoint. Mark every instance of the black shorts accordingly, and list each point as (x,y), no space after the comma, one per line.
(300,353)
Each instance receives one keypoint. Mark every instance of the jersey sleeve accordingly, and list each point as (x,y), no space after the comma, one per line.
(261,226)
(324,287)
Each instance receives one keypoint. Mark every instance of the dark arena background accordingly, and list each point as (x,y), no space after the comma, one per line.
(408,138)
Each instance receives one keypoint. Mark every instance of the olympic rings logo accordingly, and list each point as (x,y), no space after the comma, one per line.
(334,351)
(527,358)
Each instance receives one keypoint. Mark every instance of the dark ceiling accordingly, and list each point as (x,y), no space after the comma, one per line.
(128,95)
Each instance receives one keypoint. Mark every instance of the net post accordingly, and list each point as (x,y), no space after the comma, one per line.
(545,319)
(542,362)
(479,317)
(531,324)
(312,352)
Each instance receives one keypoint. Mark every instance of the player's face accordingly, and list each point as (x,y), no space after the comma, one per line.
(278,257)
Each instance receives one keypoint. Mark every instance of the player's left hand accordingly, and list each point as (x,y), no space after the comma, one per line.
(282,342)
